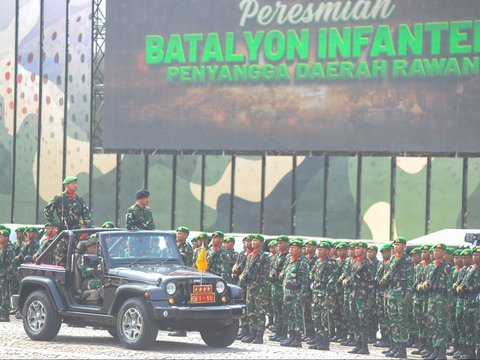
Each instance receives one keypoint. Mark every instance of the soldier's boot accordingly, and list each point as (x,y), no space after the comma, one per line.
(346,339)
(392,348)
(241,334)
(427,351)
(432,355)
(411,340)
(459,352)
(297,340)
(325,345)
(454,350)
(289,339)
(283,334)
(363,349)
(250,337)
(421,347)
(441,354)
(259,338)
(276,335)
(383,342)
(313,341)
(355,349)
(469,353)
(333,333)
(372,338)
(350,340)
(401,352)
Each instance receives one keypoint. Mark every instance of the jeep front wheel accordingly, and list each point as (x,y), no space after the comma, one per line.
(136,327)
(40,319)
(220,337)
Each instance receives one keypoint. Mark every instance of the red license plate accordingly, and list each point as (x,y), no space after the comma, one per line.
(202,294)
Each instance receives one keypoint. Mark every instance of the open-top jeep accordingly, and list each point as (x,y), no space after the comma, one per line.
(131,283)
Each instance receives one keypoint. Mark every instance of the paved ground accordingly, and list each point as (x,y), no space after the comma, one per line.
(74,343)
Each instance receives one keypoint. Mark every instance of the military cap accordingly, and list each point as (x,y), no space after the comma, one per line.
(4,232)
(362,244)
(283,238)
(457,252)
(246,238)
(142,194)
(201,235)
(425,247)
(229,239)
(218,233)
(386,247)
(69,180)
(328,241)
(272,243)
(373,247)
(7,230)
(258,237)
(341,245)
(324,245)
(352,245)
(440,246)
(2,226)
(465,252)
(415,251)
(20,229)
(183,229)
(400,240)
(450,250)
(32,229)
(108,225)
(476,250)
(311,242)
(296,242)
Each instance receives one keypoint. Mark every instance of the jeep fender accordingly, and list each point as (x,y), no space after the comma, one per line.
(30,284)
(127,291)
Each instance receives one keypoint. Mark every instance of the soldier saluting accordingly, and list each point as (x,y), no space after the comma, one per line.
(68,210)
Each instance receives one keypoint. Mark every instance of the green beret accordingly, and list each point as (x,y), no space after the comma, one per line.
(298,241)
(69,180)
(258,237)
(229,239)
(311,242)
(201,235)
(465,252)
(7,230)
(457,252)
(362,244)
(352,245)
(247,238)
(218,233)
(32,229)
(183,229)
(341,245)
(283,238)
(272,243)
(400,240)
(108,225)
(440,246)
(431,248)
(425,247)
(386,247)
(324,245)
(373,247)
(415,251)
(20,229)
(328,241)
(476,250)
(2,226)
(4,232)
(450,250)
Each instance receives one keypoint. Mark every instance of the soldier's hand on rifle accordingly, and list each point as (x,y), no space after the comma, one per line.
(383,281)
(345,283)
(455,286)
(460,289)
(340,279)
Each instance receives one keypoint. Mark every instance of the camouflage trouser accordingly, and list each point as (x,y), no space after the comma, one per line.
(470,317)
(4,296)
(426,322)
(244,317)
(418,315)
(308,314)
(382,313)
(459,325)
(257,303)
(452,327)
(347,299)
(294,310)
(371,320)
(477,327)
(338,312)
(358,311)
(437,315)
(320,313)
(278,306)
(397,315)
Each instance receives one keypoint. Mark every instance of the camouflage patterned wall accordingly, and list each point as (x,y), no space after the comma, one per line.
(39,159)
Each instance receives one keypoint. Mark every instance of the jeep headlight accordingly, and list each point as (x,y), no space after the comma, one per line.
(171,288)
(220,287)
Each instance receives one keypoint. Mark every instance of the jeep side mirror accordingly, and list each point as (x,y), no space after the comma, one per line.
(91,260)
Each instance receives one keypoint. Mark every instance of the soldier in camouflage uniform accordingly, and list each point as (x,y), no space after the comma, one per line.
(229,243)
(255,276)
(437,283)
(469,288)
(218,258)
(360,281)
(372,313)
(296,282)
(338,311)
(380,300)
(414,333)
(50,232)
(399,281)
(271,323)
(69,208)
(16,250)
(347,295)
(139,216)
(91,276)
(237,270)
(6,275)
(29,247)
(311,246)
(279,262)
(324,276)
(183,246)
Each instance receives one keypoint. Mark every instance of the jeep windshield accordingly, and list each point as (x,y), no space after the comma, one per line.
(126,249)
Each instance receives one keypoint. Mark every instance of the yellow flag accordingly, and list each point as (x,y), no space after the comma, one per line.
(202,263)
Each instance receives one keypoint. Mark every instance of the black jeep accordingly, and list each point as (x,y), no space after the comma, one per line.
(130,283)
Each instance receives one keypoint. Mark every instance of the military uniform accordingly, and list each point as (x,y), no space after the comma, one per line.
(380,301)
(27,249)
(372,313)
(347,298)
(219,262)
(296,282)
(255,276)
(6,276)
(310,326)
(338,307)
(138,218)
(186,251)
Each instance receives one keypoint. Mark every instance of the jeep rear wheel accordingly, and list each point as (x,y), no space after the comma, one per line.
(40,319)
(220,337)
(136,326)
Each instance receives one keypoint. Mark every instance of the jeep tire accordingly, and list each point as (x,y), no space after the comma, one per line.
(136,326)
(41,320)
(113,331)
(220,337)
